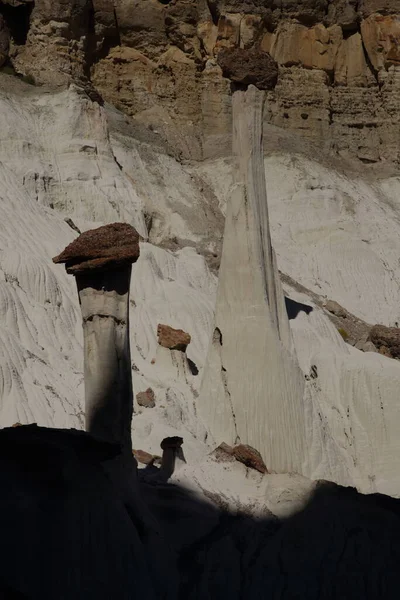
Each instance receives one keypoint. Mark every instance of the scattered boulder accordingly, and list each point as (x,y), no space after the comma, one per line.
(367,346)
(174,339)
(146,399)
(145,458)
(249,66)
(386,339)
(250,457)
(335,309)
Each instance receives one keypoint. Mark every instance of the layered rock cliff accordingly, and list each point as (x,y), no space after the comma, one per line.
(67,154)
(339,64)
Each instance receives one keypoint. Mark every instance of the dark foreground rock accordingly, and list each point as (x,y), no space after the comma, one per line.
(70,531)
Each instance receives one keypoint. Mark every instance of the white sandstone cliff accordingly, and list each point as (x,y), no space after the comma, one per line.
(333,232)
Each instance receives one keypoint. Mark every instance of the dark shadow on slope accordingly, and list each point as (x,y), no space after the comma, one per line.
(193,367)
(18,20)
(68,533)
(293,308)
(343,545)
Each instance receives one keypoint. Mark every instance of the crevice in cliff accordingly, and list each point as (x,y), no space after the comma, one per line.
(224,378)
(217,341)
(368,61)
(17,19)
(214,12)
(98,47)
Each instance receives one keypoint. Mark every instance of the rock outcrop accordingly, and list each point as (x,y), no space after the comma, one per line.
(386,339)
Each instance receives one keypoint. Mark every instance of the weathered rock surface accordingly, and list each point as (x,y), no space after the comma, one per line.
(381,38)
(386,339)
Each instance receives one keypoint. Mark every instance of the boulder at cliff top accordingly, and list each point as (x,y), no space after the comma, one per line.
(247,67)
(146,399)
(100,248)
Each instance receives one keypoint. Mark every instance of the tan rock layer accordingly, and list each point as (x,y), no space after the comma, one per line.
(157,62)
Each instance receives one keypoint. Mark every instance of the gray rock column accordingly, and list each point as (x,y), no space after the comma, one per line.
(252,387)
(101,261)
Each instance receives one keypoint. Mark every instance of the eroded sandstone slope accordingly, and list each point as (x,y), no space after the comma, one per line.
(335,234)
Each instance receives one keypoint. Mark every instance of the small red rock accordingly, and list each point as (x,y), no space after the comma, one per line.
(146,399)
(249,66)
(250,457)
(174,339)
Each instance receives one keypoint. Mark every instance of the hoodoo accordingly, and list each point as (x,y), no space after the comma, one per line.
(101,261)
(252,386)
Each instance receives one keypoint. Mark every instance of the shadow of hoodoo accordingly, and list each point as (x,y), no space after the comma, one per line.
(67,533)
